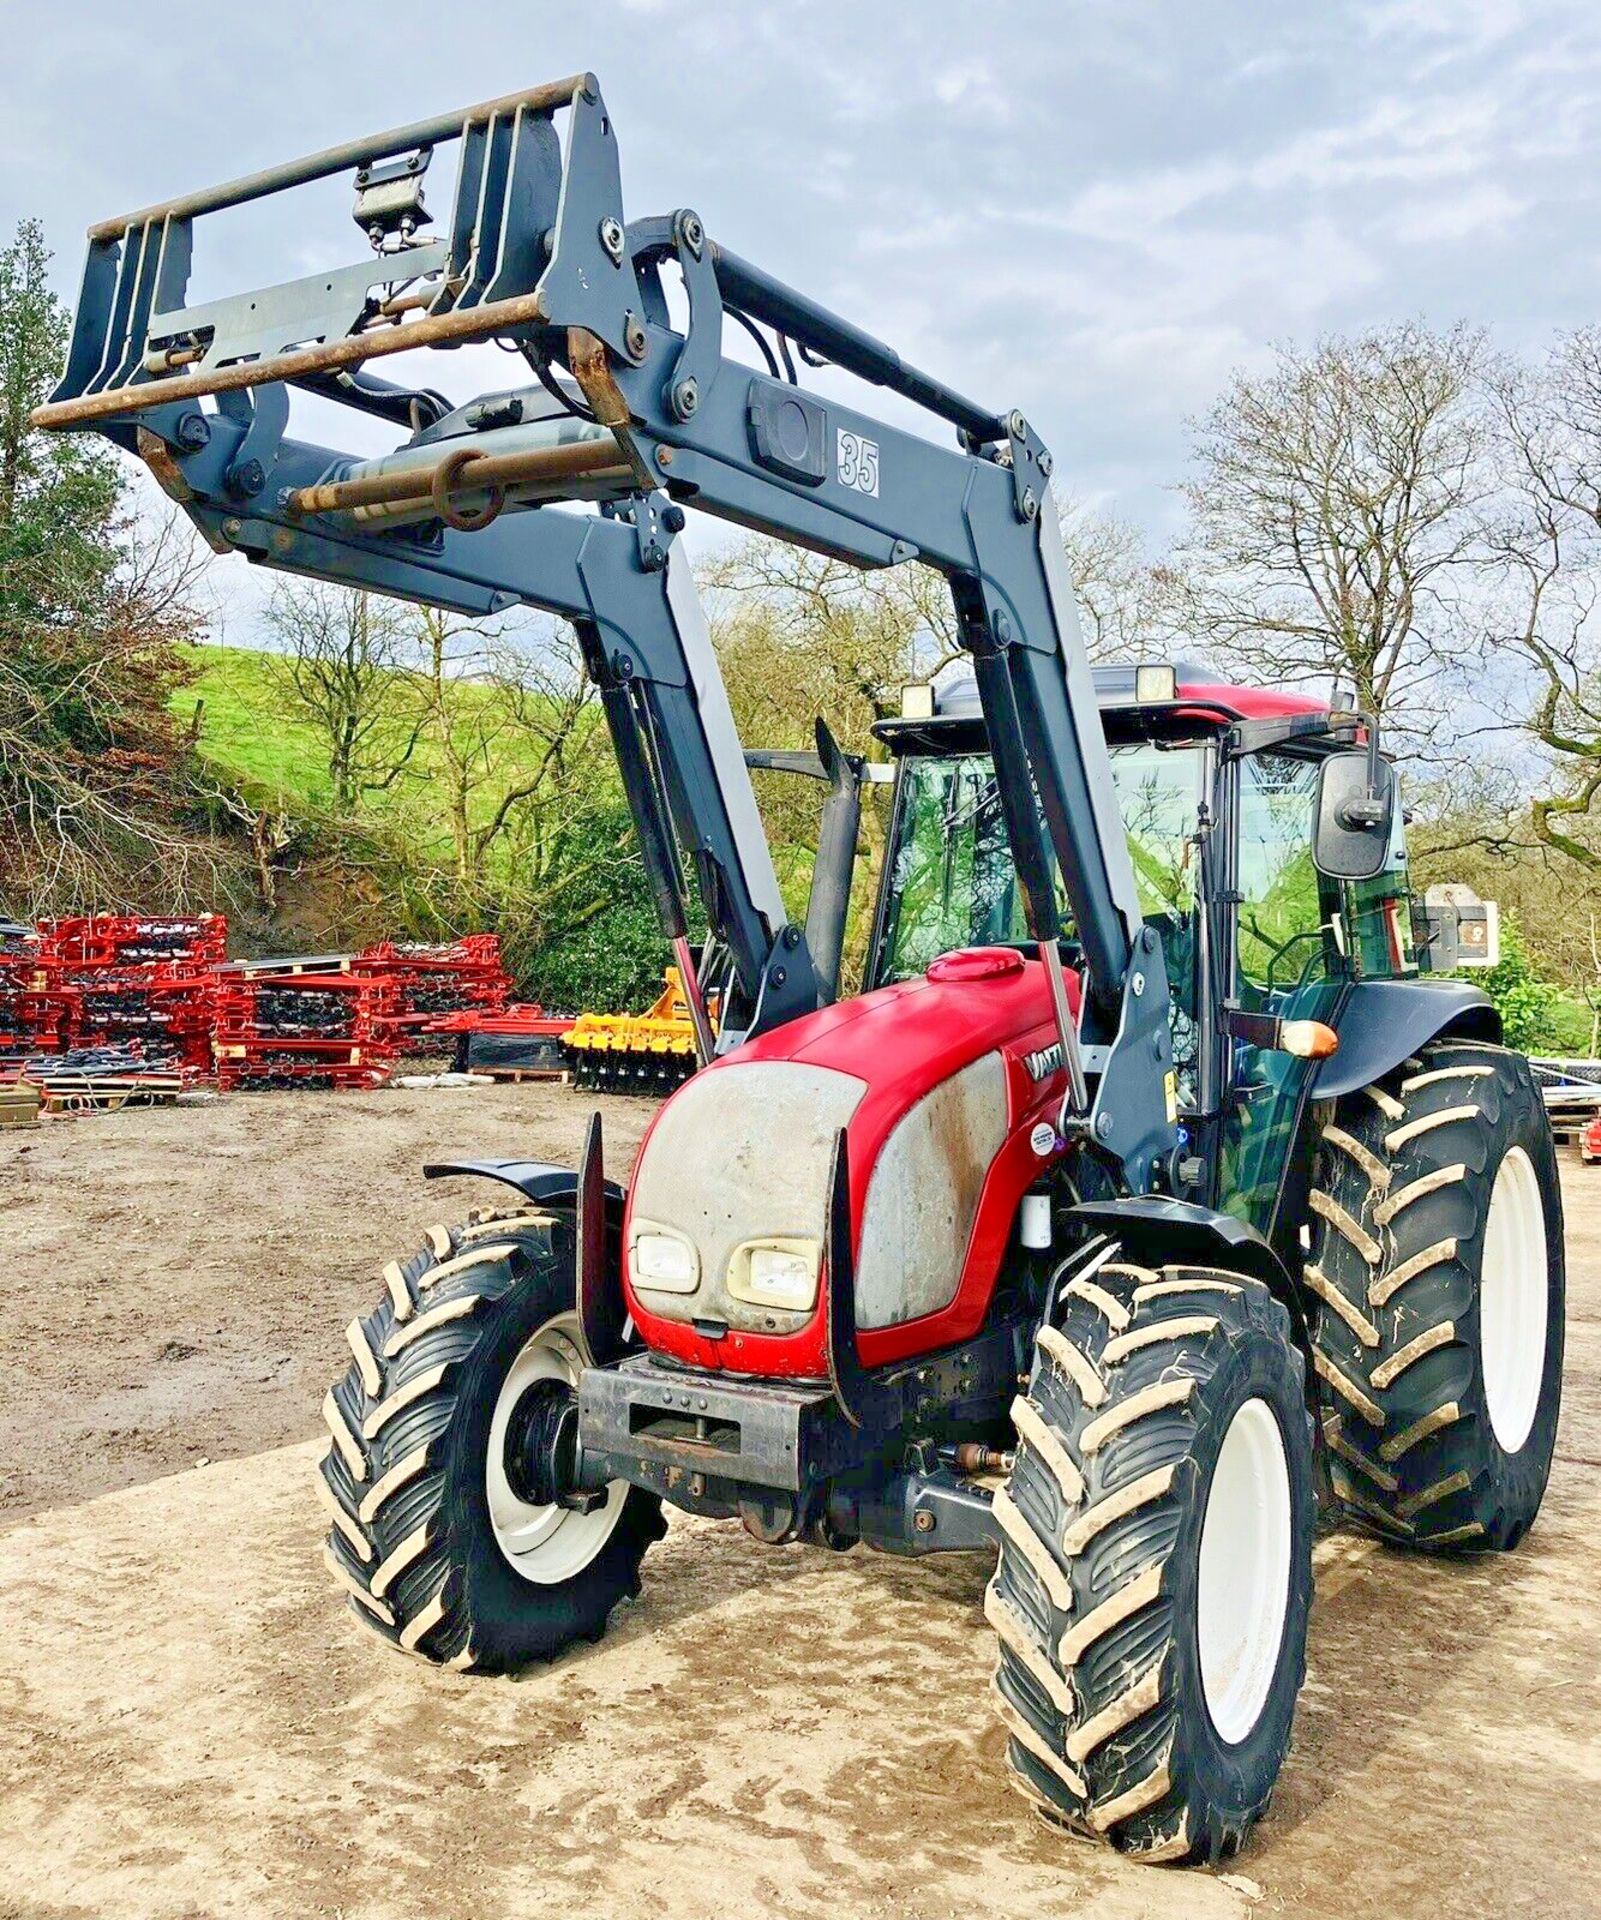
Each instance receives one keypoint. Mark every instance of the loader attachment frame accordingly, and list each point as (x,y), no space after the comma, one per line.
(536,254)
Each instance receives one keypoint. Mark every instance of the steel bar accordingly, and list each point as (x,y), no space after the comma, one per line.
(764,298)
(495,317)
(350,153)
(485,470)
(1078,1096)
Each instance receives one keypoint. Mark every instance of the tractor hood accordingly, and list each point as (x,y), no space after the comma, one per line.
(938,1084)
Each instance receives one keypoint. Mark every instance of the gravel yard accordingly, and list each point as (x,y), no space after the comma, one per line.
(191,1723)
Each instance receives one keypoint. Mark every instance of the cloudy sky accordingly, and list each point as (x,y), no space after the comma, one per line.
(1093,210)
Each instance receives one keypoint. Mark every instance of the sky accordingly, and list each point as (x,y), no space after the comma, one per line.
(1094,210)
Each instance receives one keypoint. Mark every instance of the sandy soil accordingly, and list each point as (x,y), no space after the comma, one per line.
(177,1281)
(191,1724)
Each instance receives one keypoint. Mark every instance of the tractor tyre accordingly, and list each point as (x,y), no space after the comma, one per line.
(1435,1287)
(1155,1571)
(438,1537)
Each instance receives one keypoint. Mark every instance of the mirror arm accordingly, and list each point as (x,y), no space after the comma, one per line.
(1368,813)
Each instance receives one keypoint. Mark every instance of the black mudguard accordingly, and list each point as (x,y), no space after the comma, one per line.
(542,1183)
(1158,1231)
(1383,1022)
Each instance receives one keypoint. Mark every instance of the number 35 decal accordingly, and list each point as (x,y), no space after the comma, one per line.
(857,462)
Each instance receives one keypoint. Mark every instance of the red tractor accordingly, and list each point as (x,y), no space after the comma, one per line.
(1149,1187)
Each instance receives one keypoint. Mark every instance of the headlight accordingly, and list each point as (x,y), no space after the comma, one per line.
(775,1273)
(662,1261)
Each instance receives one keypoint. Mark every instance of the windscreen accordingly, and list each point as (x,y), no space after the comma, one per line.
(952,882)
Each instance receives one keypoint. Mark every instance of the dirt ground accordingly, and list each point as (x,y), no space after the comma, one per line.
(192,1724)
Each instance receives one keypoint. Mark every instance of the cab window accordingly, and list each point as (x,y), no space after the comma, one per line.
(952,883)
(1284,934)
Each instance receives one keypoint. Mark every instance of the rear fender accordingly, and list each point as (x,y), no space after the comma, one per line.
(1383,1022)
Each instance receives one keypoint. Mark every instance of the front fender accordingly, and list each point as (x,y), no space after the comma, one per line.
(1383,1022)
(540,1182)
(1157,1230)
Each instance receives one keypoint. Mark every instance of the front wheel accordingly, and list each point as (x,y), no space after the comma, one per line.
(1156,1564)
(453,1531)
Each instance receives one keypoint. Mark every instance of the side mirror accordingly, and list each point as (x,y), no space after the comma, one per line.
(1355,816)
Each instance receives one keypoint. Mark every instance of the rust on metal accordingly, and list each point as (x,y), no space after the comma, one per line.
(448,480)
(471,323)
(489,472)
(169,359)
(591,368)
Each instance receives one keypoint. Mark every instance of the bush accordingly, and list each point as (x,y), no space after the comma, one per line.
(1533,1010)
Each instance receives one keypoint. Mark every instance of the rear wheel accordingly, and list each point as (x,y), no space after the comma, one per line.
(1437,1280)
(1155,1573)
(455,1531)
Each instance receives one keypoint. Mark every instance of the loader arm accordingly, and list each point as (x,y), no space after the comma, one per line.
(536,254)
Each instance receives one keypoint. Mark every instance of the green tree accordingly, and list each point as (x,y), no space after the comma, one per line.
(1529,1006)
(98,803)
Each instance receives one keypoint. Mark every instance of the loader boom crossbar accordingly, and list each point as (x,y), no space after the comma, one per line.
(651,417)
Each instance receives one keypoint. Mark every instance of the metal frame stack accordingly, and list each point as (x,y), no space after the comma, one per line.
(433,984)
(110,980)
(31,1016)
(314,1022)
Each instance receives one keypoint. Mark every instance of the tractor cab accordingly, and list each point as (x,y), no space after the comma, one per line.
(1219,790)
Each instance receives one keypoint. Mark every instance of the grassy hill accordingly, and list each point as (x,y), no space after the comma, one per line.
(250,730)
(246,731)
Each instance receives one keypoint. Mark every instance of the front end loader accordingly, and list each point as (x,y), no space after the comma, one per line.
(1150,1190)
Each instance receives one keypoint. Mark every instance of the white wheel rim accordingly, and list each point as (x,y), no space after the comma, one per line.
(1244,1588)
(546,1545)
(1513,1304)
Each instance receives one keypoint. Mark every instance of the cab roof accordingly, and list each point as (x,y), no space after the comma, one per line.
(1202,697)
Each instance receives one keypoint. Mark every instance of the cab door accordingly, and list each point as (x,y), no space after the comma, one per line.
(1282,956)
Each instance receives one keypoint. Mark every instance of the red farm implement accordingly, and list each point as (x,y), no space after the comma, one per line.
(303,1023)
(463,978)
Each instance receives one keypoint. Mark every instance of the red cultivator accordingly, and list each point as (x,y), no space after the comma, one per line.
(303,1024)
(437,983)
(164,984)
(132,940)
(107,980)
(166,1008)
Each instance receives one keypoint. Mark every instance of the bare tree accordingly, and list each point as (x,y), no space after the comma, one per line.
(1123,598)
(504,719)
(1546,544)
(804,634)
(1335,513)
(341,668)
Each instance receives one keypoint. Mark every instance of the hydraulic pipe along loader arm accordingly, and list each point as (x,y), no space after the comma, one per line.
(1013,1247)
